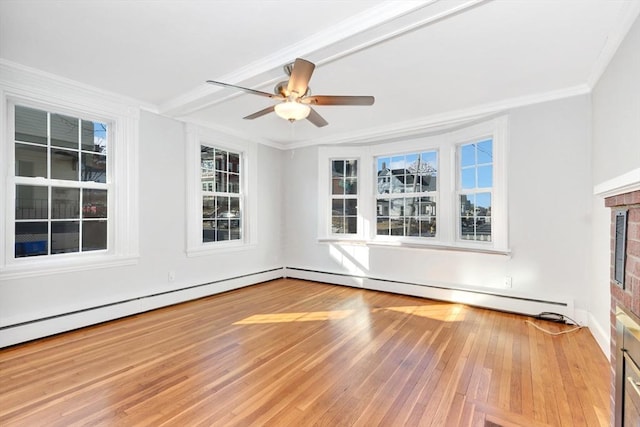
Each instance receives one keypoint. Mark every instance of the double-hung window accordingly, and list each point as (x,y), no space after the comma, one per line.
(221,195)
(344,196)
(475,189)
(68,176)
(61,183)
(406,194)
(221,192)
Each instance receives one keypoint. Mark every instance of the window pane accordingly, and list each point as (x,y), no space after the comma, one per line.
(396,226)
(467,155)
(382,226)
(468,178)
(31,239)
(485,176)
(94,167)
(413,226)
(94,203)
(65,203)
(208,231)
(222,207)
(221,160)
(337,224)
(382,207)
(207,161)
(427,206)
(30,125)
(64,165)
(64,131)
(94,137)
(351,168)
(234,183)
(32,202)
(31,160)
(337,207)
(234,207)
(234,229)
(222,229)
(428,227)
(337,168)
(234,163)
(94,235)
(65,237)
(485,151)
(221,182)
(351,186)
(208,207)
(337,186)
(396,207)
(351,225)
(351,207)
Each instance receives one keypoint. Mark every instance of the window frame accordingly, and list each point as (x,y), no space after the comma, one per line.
(197,136)
(49,94)
(447,212)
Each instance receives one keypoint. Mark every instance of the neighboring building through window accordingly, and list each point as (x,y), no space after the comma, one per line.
(221,195)
(61,183)
(344,196)
(406,194)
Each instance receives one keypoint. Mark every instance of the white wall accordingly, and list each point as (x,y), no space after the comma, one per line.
(549,207)
(162,247)
(615,151)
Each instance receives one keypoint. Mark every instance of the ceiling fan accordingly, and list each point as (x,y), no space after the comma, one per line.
(295,97)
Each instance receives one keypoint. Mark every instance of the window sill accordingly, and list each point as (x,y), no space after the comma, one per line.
(483,249)
(47,267)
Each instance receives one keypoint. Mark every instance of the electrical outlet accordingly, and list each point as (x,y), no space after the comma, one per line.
(171,276)
(508,282)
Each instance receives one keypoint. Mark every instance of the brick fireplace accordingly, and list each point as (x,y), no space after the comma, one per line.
(625,295)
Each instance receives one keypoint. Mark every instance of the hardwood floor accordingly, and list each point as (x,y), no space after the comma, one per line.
(296,353)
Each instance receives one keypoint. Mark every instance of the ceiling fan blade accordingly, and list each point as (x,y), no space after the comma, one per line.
(300,76)
(338,100)
(245,89)
(316,119)
(260,113)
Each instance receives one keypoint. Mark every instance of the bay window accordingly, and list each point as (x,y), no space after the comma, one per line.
(439,191)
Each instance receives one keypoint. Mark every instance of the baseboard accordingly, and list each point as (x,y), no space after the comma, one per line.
(478,298)
(601,336)
(39,328)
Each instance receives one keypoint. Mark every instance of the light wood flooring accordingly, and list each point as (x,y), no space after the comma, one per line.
(297,353)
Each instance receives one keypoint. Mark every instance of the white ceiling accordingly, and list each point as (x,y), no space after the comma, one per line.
(426,62)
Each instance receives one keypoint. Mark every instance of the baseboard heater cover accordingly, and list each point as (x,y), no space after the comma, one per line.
(477,298)
(42,327)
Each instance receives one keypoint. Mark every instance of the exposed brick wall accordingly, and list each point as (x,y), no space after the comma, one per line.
(629,298)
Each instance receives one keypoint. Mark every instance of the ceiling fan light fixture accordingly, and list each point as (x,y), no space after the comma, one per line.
(292,110)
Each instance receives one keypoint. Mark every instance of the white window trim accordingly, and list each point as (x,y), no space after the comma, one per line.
(195,137)
(46,92)
(447,229)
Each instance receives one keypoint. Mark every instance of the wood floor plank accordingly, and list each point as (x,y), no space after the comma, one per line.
(291,352)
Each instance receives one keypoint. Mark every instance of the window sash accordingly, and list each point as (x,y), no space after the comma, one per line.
(53,139)
(221,196)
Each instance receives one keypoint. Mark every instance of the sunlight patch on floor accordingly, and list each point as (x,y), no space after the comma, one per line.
(312,316)
(444,313)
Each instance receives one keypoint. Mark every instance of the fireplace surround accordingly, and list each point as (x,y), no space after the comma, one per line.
(625,307)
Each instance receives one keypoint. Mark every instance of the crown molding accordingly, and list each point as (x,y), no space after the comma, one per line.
(628,15)
(441,122)
(20,78)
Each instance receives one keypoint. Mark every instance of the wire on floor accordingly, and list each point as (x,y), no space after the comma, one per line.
(558,318)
